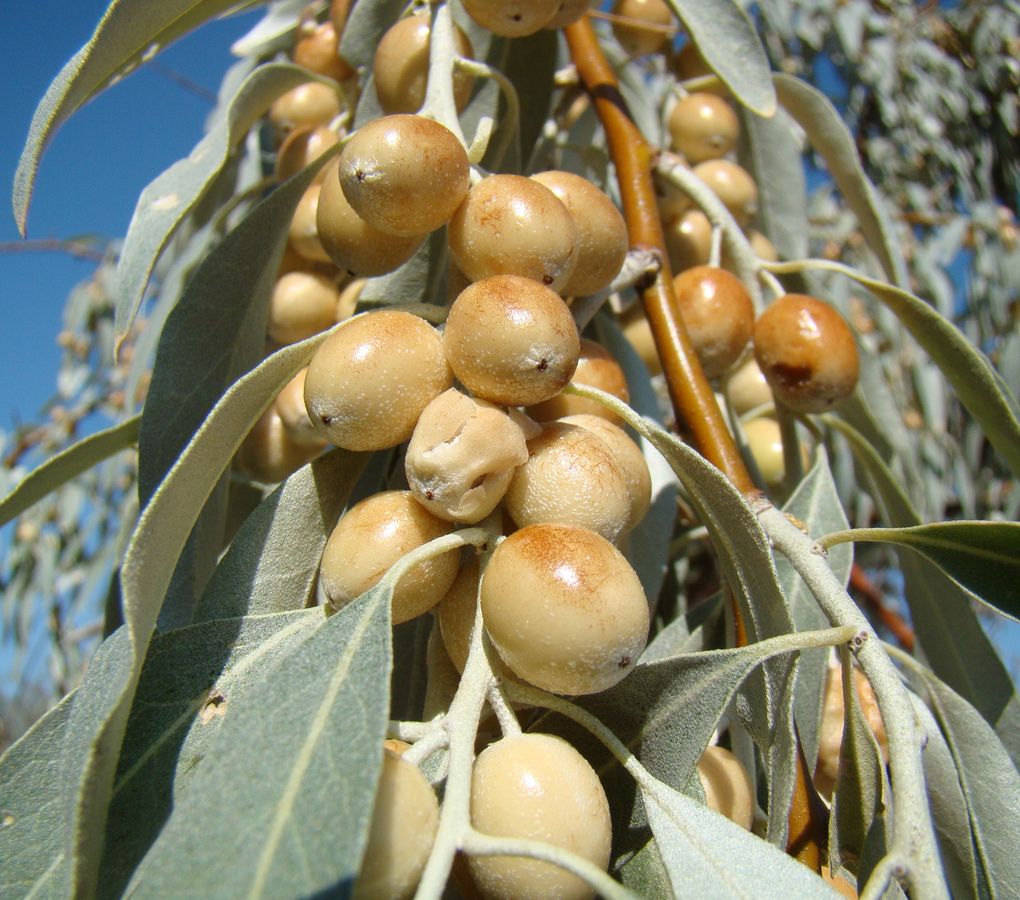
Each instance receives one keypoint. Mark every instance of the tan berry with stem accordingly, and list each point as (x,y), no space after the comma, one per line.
(405,817)
(537,787)
(512,18)
(511,341)
(268,454)
(369,381)
(727,786)
(564,609)
(601,231)
(511,225)
(703,126)
(302,304)
(318,49)
(596,367)
(400,70)
(570,478)
(301,147)
(807,353)
(718,313)
(689,241)
(405,175)
(373,535)
(635,38)
(290,404)
(303,233)
(310,104)
(353,245)
(734,187)
(463,454)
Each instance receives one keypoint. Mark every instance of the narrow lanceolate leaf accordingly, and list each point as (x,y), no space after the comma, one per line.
(68,464)
(31,813)
(973,379)
(131,32)
(982,557)
(729,44)
(280,806)
(166,202)
(193,680)
(829,135)
(273,561)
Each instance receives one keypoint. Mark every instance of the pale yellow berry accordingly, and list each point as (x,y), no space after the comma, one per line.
(312,103)
(733,185)
(727,786)
(304,230)
(303,146)
(302,304)
(596,367)
(638,333)
(689,241)
(319,50)
(747,388)
(703,126)
(765,441)
(268,454)
(290,404)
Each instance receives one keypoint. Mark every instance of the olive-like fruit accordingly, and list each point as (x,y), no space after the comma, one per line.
(268,454)
(765,441)
(718,314)
(596,367)
(537,787)
(564,609)
(638,333)
(301,147)
(319,50)
(405,175)
(510,340)
(290,404)
(635,39)
(405,817)
(347,302)
(807,353)
(727,786)
(747,388)
(303,233)
(689,241)
(512,18)
(374,534)
(302,304)
(703,126)
(312,103)
(732,184)
(369,381)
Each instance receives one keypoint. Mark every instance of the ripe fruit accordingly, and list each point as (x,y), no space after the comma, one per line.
(634,39)
(601,231)
(318,50)
(304,230)
(727,786)
(512,18)
(511,225)
(290,404)
(405,816)
(538,787)
(765,441)
(703,126)
(510,340)
(747,388)
(732,185)
(718,314)
(463,454)
(569,12)
(807,353)
(455,616)
(596,367)
(302,304)
(689,241)
(268,454)
(405,175)
(369,381)
(312,103)
(401,67)
(564,609)
(639,333)
(571,477)
(374,534)
(349,241)
(301,147)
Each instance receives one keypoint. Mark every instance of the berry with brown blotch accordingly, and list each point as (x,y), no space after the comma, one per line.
(512,225)
(369,381)
(596,367)
(401,66)
(373,535)
(635,39)
(807,353)
(747,388)
(290,404)
(718,313)
(301,147)
(602,241)
(571,478)
(268,454)
(689,241)
(302,304)
(727,786)
(318,49)
(303,233)
(703,126)
(512,18)
(510,340)
(310,104)
(734,187)
(405,175)
(349,241)
(564,609)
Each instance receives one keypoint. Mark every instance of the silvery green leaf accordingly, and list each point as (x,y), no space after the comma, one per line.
(365,26)
(274,31)
(686,633)
(645,873)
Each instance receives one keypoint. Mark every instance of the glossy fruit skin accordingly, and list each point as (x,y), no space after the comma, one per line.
(512,18)
(807,353)
(303,233)
(318,50)
(312,103)
(369,381)
(405,175)
(601,231)
(765,441)
(727,786)
(537,787)
(302,304)
(511,225)
(718,313)
(374,534)
(689,241)
(405,817)
(596,367)
(703,126)
(511,341)
(733,185)
(401,66)
(638,41)
(301,147)
(564,609)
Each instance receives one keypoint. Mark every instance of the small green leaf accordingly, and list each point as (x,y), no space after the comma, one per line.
(729,44)
(130,33)
(981,557)
(282,802)
(68,464)
(830,136)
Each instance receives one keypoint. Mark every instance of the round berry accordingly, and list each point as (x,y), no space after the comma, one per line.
(703,126)
(638,333)
(312,103)
(564,609)
(511,225)
(727,786)
(301,147)
(290,404)
(405,175)
(537,787)
(302,304)
(689,241)
(807,353)
(369,381)
(268,454)
(732,185)
(374,534)
(512,18)
(455,616)
(765,441)
(747,388)
(510,340)
(635,39)
(718,313)
(570,11)
(596,367)
(304,230)
(319,50)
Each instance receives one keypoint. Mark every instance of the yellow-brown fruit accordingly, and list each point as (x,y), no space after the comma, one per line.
(312,103)
(727,786)
(671,201)
(733,186)
(807,353)
(747,388)
(455,616)
(302,146)
(718,313)
(703,126)
(290,404)
(639,333)
(304,230)
(319,50)
(268,454)
(512,18)
(347,302)
(635,39)
(302,304)
(689,241)
(596,367)
(569,12)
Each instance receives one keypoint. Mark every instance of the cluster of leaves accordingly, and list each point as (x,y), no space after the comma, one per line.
(227,721)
